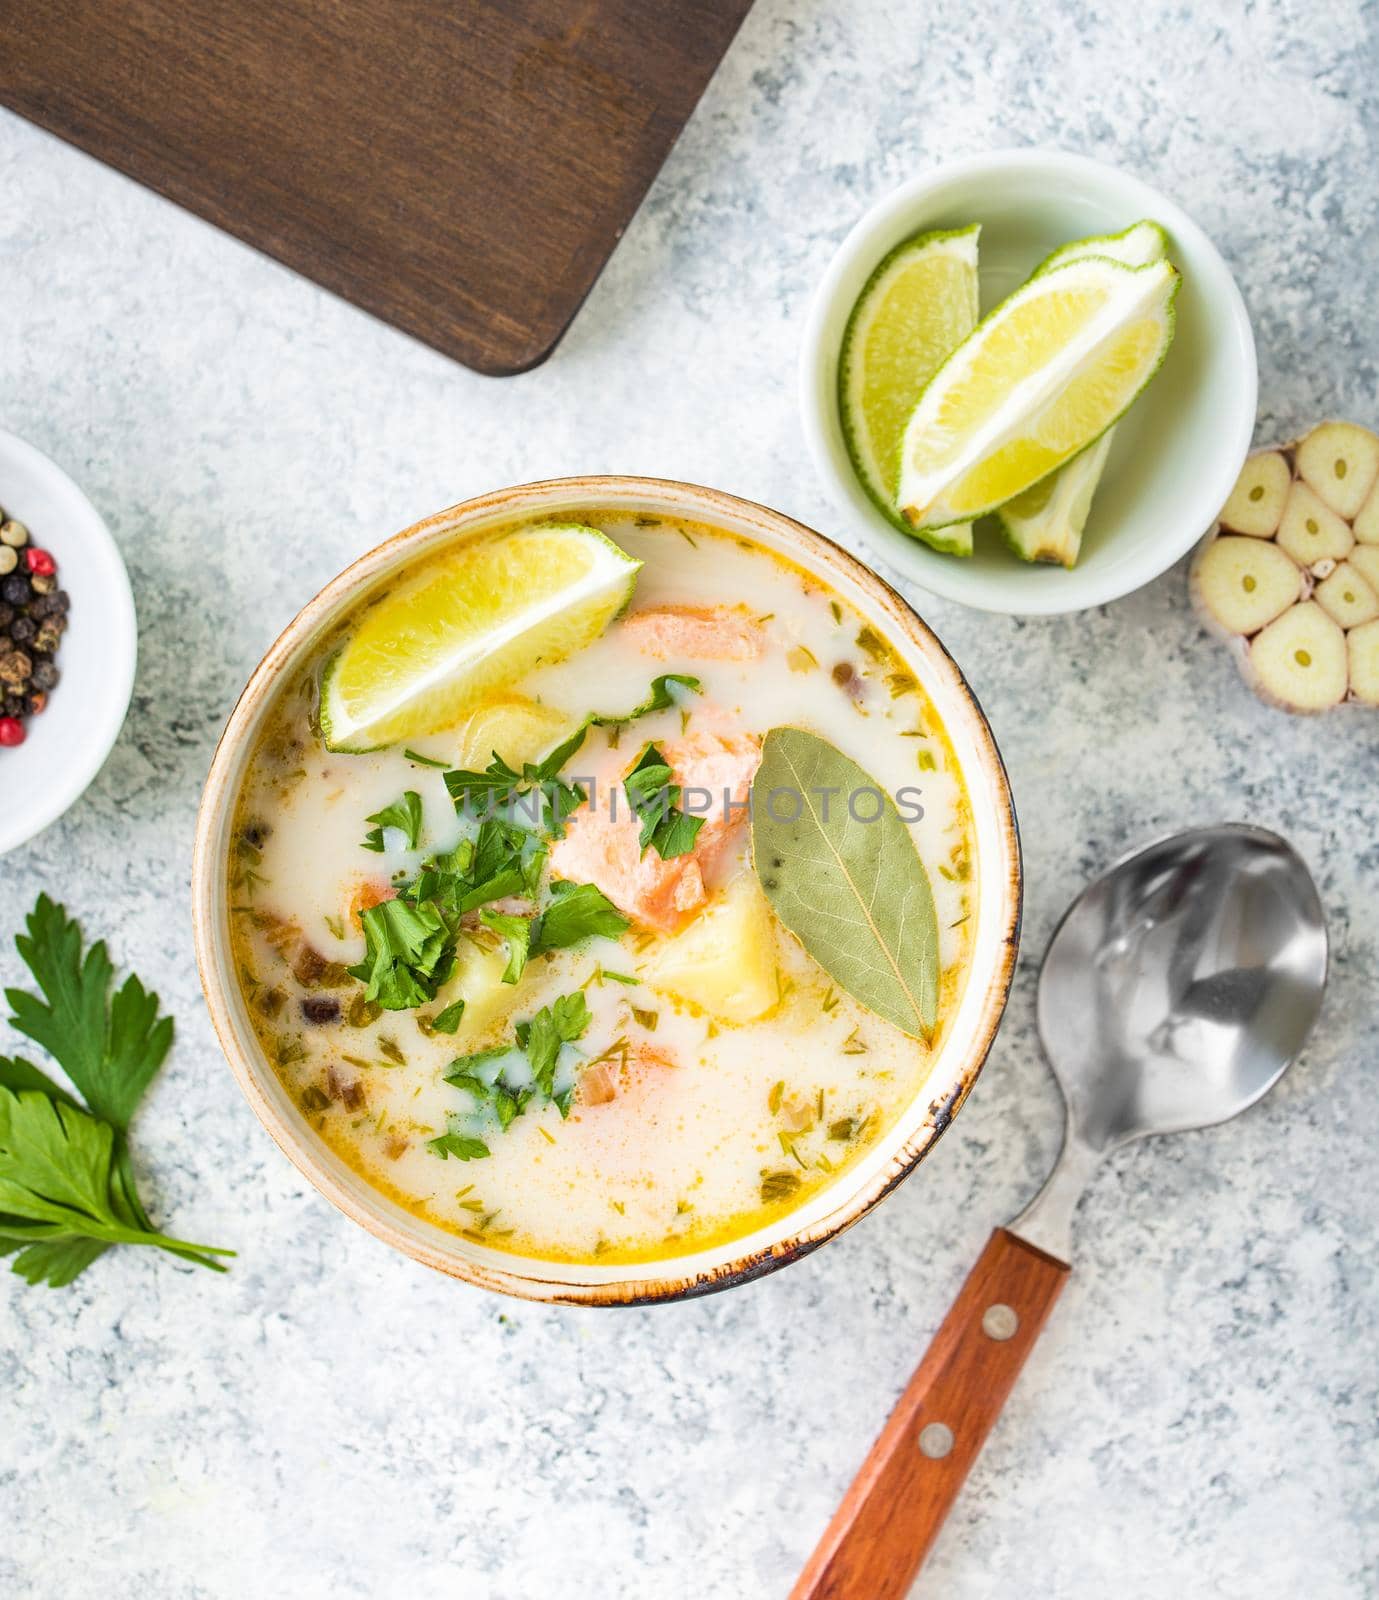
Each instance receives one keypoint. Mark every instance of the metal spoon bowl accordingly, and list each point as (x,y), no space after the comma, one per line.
(1174,993)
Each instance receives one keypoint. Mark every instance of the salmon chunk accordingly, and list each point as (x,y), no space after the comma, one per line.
(704,633)
(602,838)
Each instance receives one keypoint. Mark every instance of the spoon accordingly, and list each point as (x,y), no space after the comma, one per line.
(1174,994)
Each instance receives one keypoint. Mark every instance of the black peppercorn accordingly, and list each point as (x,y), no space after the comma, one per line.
(22,629)
(17,590)
(6,616)
(45,675)
(61,600)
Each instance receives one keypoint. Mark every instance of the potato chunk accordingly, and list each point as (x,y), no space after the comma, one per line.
(725,960)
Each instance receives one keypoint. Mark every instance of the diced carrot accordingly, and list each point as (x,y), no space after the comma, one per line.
(368,893)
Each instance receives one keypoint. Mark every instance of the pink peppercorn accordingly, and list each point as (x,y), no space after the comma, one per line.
(40,563)
(11,731)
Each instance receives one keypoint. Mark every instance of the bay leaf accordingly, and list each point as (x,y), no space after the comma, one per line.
(852,890)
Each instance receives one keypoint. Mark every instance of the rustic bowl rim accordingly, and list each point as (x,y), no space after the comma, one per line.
(425,1242)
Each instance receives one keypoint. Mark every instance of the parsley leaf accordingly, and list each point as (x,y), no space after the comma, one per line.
(448,1021)
(60,1203)
(517,932)
(463,1146)
(577,911)
(501,860)
(654,797)
(404,815)
(659,698)
(409,953)
(109,1047)
(537,791)
(541,1037)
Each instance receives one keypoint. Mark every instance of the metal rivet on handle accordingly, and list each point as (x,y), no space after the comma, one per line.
(1000,1321)
(935,1440)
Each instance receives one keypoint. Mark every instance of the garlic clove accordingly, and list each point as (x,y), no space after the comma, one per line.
(1311,530)
(1340,461)
(1299,660)
(1347,597)
(1245,582)
(1362,645)
(1260,493)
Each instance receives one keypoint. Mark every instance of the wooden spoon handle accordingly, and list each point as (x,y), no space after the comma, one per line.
(892,1513)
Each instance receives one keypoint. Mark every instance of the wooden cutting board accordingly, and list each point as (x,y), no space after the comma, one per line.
(461,168)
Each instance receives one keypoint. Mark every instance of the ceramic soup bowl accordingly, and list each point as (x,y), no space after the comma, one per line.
(968,1037)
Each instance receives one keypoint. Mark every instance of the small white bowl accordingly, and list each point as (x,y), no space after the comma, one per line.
(68,743)
(1178,450)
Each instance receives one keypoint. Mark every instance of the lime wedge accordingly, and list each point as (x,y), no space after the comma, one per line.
(1038,381)
(1046,522)
(468,625)
(916,308)
(1136,246)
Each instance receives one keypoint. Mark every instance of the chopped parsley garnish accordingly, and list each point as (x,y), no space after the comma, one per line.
(655,799)
(463,1146)
(448,1021)
(409,953)
(541,1037)
(517,932)
(404,815)
(538,789)
(578,911)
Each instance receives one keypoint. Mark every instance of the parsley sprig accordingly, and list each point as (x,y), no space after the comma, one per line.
(655,798)
(67,1190)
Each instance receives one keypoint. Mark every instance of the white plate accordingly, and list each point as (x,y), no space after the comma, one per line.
(68,743)
(1178,450)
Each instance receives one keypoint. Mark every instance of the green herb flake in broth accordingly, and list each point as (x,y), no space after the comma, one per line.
(424,761)
(448,1021)
(460,1145)
(403,814)
(854,893)
(778,1186)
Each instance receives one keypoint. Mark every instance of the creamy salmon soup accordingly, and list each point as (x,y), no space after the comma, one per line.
(601,890)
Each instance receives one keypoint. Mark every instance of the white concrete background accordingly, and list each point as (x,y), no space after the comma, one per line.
(331,1420)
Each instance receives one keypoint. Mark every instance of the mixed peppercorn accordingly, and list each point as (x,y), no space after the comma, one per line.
(33,618)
